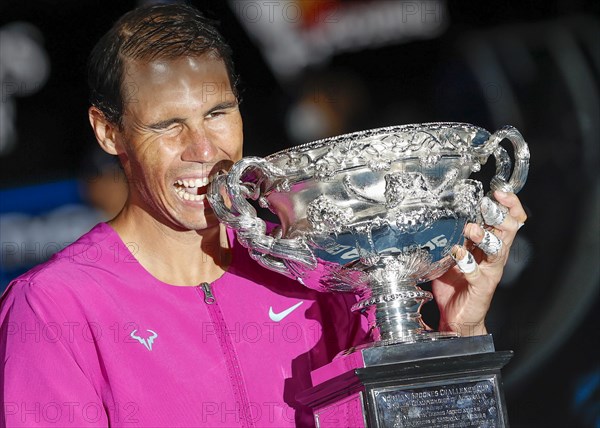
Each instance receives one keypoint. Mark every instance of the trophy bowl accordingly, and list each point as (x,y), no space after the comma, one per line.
(374,212)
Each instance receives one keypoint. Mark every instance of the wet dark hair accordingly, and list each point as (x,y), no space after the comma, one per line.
(163,31)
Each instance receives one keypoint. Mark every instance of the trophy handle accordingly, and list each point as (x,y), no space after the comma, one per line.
(271,252)
(504,180)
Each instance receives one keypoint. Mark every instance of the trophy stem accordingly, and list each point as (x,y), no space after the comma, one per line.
(395,322)
(397,307)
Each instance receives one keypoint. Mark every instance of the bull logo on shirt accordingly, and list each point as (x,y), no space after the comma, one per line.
(146,342)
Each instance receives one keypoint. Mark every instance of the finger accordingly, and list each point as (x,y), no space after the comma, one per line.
(492,213)
(507,230)
(512,202)
(464,260)
(491,245)
(502,219)
(480,286)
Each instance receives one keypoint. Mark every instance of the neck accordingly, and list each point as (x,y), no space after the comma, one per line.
(185,258)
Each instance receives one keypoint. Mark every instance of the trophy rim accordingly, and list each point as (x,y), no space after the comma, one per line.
(371,133)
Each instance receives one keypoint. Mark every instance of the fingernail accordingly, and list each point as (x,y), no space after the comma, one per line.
(454,252)
(479,232)
(466,264)
(501,193)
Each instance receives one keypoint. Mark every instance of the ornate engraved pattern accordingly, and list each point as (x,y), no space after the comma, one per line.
(379,148)
(401,268)
(404,295)
(467,194)
(325,216)
(408,187)
(419,218)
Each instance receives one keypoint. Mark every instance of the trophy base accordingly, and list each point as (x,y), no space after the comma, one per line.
(453,382)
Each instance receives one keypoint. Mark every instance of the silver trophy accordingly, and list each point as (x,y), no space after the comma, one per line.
(373,213)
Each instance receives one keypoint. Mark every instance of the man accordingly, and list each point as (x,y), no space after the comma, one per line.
(159,317)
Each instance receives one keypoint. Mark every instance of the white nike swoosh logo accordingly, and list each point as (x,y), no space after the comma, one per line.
(281,315)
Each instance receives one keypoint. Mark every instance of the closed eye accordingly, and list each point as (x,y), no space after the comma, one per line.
(165,124)
(222,108)
(215,113)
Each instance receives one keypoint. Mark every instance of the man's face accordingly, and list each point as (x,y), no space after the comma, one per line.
(180,118)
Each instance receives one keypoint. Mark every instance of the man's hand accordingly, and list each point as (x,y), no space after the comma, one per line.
(464,293)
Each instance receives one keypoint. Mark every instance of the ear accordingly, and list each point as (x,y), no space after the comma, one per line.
(106,131)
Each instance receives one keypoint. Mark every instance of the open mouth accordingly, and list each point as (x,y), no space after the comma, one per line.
(193,189)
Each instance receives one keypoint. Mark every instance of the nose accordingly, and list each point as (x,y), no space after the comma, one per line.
(199,147)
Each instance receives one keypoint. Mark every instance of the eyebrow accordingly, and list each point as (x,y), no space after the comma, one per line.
(165,123)
(223,106)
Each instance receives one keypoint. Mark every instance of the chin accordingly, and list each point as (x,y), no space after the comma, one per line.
(198,225)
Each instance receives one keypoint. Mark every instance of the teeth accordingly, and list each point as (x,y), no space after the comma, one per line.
(188,196)
(201,181)
(198,182)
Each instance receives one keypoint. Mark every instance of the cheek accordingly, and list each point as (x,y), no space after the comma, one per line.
(149,160)
(228,136)
(236,138)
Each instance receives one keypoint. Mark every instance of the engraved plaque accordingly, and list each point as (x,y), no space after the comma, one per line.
(461,404)
(461,389)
